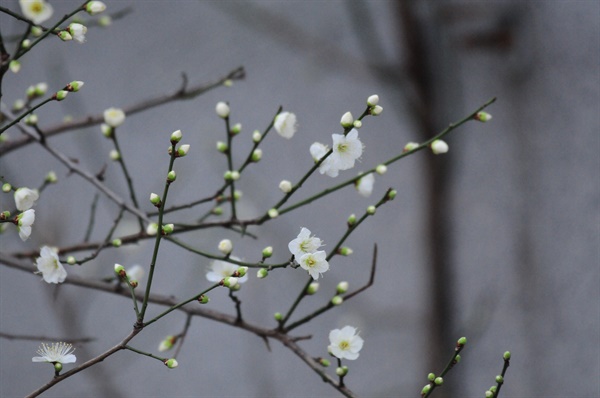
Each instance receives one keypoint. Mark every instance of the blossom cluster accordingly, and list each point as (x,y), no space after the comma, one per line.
(306,253)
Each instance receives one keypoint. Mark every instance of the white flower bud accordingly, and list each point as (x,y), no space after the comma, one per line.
(285,186)
(273,213)
(95,7)
(410,146)
(257,155)
(376,110)
(381,169)
(439,147)
(152,229)
(347,120)
(115,155)
(256,136)
(225,246)
(176,136)
(222,110)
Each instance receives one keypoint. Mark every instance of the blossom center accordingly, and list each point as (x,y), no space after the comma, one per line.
(344,345)
(343,147)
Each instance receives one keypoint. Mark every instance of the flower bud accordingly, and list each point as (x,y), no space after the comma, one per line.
(183,150)
(18,105)
(222,110)
(237,194)
(133,283)
(41,89)
(228,83)
(114,117)
(256,136)
(438,147)
(506,355)
(285,186)
(203,299)
(337,300)
(324,362)
(168,229)
(107,131)
(176,136)
(5,215)
(278,316)
(489,394)
(499,379)
(312,288)
(64,35)
(230,281)
(217,211)
(58,366)
(381,169)
(342,287)
(357,124)
(236,129)
(60,95)
(341,371)
(225,246)
(262,273)
(267,252)
(51,177)
(483,116)
(71,260)
(31,119)
(373,100)
(222,147)
(6,187)
(438,381)
(75,85)
(345,251)
(242,271)
(351,220)
(120,270)
(14,66)
(347,120)
(376,110)
(167,343)
(171,363)
(152,229)
(431,377)
(117,242)
(392,194)
(104,21)
(155,199)
(95,7)
(273,213)
(172,176)
(461,342)
(371,210)
(257,155)
(410,146)
(114,155)
(36,31)
(426,389)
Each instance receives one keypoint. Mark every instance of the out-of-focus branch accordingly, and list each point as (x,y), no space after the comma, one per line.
(183,93)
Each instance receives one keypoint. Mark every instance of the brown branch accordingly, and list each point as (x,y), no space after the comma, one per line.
(10,336)
(183,93)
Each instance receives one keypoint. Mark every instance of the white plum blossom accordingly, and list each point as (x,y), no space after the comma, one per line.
(55,352)
(346,149)
(364,186)
(50,267)
(77,31)
(37,11)
(25,198)
(345,343)
(285,124)
(114,117)
(438,147)
(304,243)
(24,222)
(225,246)
(220,270)
(315,263)
(317,151)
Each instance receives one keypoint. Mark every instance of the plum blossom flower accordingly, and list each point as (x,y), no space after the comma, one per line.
(25,198)
(346,149)
(77,31)
(364,186)
(37,11)
(304,243)
(317,151)
(285,124)
(55,352)
(220,270)
(345,343)
(114,117)
(315,263)
(24,222)
(50,267)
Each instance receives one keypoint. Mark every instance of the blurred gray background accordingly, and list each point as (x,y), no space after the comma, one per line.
(496,240)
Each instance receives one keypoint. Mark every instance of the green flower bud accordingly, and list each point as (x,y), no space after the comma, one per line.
(242,271)
(217,211)
(5,215)
(171,363)
(257,155)
(489,394)
(357,124)
(312,288)
(203,299)
(71,260)
(107,131)
(168,229)
(236,129)
(155,199)
(499,379)
(64,35)
(267,252)
(506,355)
(371,210)
(278,316)
(222,147)
(324,362)
(483,116)
(381,169)
(6,187)
(116,242)
(341,371)
(51,177)
(14,66)
(120,270)
(256,136)
(462,341)
(74,86)
(439,381)
(345,251)
(392,194)
(342,287)
(431,377)
(351,220)
(347,120)
(411,146)
(172,176)
(237,194)
(61,95)
(58,367)
(262,273)
(273,213)
(337,300)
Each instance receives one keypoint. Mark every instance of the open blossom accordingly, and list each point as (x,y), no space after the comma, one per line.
(25,198)
(37,11)
(55,352)
(317,151)
(114,117)
(315,263)
(285,124)
(304,243)
(24,223)
(220,270)
(364,186)
(345,343)
(346,149)
(50,267)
